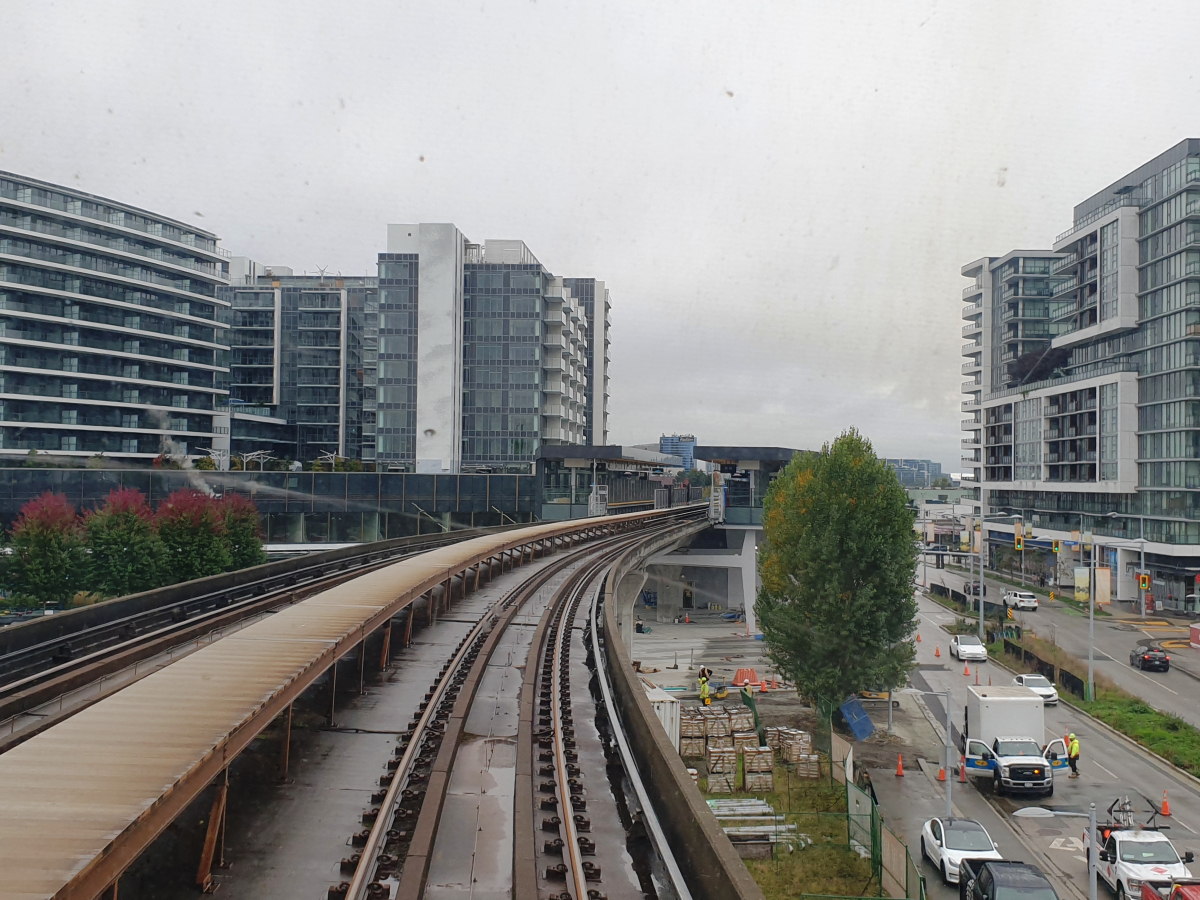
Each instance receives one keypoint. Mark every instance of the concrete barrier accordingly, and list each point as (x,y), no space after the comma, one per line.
(711,866)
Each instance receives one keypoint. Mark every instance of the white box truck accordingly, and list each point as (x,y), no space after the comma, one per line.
(1003,730)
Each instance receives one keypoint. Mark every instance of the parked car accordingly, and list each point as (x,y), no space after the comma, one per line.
(1129,859)
(944,842)
(967,647)
(972,587)
(1040,685)
(1021,600)
(1150,657)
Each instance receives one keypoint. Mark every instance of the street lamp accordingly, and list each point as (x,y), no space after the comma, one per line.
(948,767)
(1040,812)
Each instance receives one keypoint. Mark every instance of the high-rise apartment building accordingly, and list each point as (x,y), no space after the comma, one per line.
(917,473)
(1085,374)
(111,330)
(457,357)
(681,445)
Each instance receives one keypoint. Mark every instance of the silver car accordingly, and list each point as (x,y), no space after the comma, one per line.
(1040,685)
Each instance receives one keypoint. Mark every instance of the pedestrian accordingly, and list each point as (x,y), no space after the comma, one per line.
(1073,755)
(704,696)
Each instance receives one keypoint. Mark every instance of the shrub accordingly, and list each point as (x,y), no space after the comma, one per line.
(243,531)
(127,554)
(48,561)
(192,529)
(206,464)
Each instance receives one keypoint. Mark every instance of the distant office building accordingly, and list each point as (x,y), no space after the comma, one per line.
(594,300)
(681,445)
(457,357)
(110,327)
(918,473)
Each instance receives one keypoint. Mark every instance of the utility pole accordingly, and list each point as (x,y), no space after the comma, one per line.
(1091,615)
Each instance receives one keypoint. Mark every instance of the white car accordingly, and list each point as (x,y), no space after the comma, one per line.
(1021,600)
(944,842)
(1130,857)
(968,647)
(1040,685)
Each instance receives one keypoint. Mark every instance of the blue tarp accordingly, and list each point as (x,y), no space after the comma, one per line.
(856,717)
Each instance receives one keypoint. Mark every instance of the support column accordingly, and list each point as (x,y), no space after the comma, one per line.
(285,749)
(385,656)
(214,838)
(332,694)
(408,625)
(110,892)
(748,561)
(446,594)
(478,566)
(362,666)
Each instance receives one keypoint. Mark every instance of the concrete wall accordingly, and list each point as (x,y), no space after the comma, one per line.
(439,341)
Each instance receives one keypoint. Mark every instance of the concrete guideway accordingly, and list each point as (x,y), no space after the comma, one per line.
(69,830)
(1109,767)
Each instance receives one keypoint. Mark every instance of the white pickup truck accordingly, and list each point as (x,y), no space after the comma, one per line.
(1128,859)
(1002,731)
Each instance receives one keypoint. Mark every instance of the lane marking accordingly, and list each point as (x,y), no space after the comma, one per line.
(1114,777)
(1184,824)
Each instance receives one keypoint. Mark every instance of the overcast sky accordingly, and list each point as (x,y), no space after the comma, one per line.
(779,195)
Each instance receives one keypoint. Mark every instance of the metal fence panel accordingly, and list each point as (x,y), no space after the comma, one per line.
(914,880)
(860,811)
(895,865)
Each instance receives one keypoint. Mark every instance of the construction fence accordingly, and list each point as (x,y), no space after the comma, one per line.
(896,873)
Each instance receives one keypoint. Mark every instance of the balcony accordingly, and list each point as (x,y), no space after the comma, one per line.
(970,443)
(1065,263)
(1060,458)
(971,387)
(969,406)
(972,348)
(972,290)
(970,425)
(969,367)
(1066,286)
(972,328)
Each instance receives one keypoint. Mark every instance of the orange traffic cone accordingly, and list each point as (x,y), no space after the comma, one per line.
(1166,810)
(763,687)
(900,766)
(942,774)
(937,651)
(687,619)
(918,637)
(966,670)
(962,770)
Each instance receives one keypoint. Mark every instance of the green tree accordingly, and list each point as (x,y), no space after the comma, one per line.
(836,605)
(48,560)
(693,477)
(192,528)
(127,555)
(243,531)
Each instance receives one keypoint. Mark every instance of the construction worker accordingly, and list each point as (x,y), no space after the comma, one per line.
(1073,755)
(704,675)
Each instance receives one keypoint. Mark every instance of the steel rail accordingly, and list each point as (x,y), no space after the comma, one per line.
(650,816)
(488,629)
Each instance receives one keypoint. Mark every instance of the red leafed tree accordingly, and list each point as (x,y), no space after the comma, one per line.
(48,563)
(127,554)
(243,531)
(191,526)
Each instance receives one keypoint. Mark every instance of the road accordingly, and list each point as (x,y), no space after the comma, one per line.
(1055,843)
(1176,691)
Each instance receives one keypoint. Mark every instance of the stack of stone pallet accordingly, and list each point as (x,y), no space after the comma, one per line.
(794,743)
(759,766)
(740,719)
(716,728)
(722,770)
(744,740)
(691,733)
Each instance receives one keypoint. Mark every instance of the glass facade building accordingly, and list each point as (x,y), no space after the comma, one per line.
(1085,395)
(111,331)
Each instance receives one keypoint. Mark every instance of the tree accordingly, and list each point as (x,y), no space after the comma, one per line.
(836,605)
(243,531)
(48,560)
(127,555)
(693,477)
(192,528)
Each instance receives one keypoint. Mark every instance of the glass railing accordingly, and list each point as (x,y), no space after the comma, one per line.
(1115,203)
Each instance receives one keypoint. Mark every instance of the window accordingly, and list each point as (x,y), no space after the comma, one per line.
(489,351)
(393,270)
(524,327)
(486,399)
(523,399)
(68,442)
(396,319)
(522,423)
(395,368)
(129,445)
(70,417)
(70,364)
(70,391)
(488,327)
(129,396)
(524,305)
(1108,432)
(129,421)
(394,343)
(393,393)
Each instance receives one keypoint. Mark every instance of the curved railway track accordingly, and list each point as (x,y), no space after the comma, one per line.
(564,836)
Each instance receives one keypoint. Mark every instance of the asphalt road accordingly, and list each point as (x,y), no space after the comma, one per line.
(1109,768)
(1176,691)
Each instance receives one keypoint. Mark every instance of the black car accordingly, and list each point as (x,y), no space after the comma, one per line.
(972,588)
(1150,657)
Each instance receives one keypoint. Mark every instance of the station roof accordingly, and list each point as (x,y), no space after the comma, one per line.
(633,456)
(736,454)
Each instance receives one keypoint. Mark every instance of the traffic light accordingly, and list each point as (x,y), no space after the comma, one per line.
(1056,546)
(1143,582)
(1020,542)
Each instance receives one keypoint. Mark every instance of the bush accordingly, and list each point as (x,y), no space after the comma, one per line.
(127,555)
(48,561)
(192,529)
(206,464)
(243,531)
